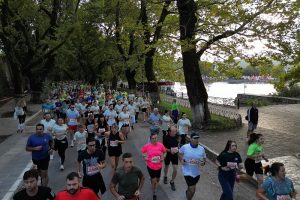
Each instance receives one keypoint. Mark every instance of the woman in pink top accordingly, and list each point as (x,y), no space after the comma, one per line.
(154,153)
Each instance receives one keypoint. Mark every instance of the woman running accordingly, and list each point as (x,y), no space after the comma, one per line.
(60,142)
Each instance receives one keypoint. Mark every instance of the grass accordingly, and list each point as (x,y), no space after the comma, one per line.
(217,123)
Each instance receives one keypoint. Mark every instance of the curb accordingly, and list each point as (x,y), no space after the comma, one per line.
(19,180)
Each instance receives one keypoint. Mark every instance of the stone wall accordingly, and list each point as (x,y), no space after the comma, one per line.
(243,98)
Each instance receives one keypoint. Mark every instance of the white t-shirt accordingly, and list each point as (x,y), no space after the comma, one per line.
(166,122)
(48,124)
(131,109)
(193,158)
(119,108)
(124,117)
(60,131)
(80,139)
(183,126)
(95,109)
(111,116)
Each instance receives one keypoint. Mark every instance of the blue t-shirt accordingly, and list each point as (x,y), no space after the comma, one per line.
(193,158)
(48,107)
(154,120)
(39,140)
(276,189)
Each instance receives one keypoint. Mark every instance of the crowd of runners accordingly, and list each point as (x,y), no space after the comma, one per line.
(98,123)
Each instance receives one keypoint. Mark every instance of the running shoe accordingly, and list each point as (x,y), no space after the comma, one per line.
(72,143)
(62,167)
(165,180)
(51,157)
(173,186)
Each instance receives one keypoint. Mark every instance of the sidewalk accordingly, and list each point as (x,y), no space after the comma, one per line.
(13,157)
(280,126)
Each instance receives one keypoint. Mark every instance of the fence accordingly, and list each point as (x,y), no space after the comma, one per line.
(220,110)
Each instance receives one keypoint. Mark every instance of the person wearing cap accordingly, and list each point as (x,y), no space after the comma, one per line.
(192,156)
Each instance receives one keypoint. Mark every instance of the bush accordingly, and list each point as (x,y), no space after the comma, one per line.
(258,102)
(294,91)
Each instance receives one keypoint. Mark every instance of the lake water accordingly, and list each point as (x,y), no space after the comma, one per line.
(230,90)
(226,90)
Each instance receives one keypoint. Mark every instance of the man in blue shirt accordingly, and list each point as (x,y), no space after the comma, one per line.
(40,144)
(155,121)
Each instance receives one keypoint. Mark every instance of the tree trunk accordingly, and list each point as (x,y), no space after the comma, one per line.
(194,83)
(114,82)
(130,78)
(152,83)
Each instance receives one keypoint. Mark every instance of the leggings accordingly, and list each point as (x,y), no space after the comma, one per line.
(21,118)
(61,146)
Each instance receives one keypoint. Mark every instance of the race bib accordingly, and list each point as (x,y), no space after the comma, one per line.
(232,165)
(155,159)
(101,130)
(283,197)
(174,149)
(194,162)
(72,120)
(91,170)
(113,143)
(82,142)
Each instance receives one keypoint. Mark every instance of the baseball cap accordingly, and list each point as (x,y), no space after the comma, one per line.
(195,136)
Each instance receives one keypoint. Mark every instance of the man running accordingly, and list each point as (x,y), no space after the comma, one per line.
(32,190)
(74,191)
(72,119)
(171,142)
(41,145)
(93,162)
(129,179)
(192,156)
(48,126)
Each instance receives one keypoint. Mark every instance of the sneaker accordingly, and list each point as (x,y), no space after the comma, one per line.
(173,186)
(165,180)
(186,194)
(62,167)
(51,157)
(72,143)
(154,197)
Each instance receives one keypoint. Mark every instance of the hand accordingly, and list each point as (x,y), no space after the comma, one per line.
(38,148)
(183,161)
(100,166)
(202,162)
(137,193)
(225,168)
(145,158)
(121,197)
(79,174)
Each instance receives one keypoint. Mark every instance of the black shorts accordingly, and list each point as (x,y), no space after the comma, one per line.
(252,167)
(154,173)
(171,158)
(95,183)
(112,151)
(125,125)
(144,109)
(190,181)
(42,164)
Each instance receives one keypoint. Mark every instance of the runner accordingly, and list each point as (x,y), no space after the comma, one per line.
(72,119)
(40,144)
(254,157)
(175,111)
(153,154)
(80,138)
(102,132)
(155,121)
(171,143)
(32,190)
(129,179)
(183,126)
(124,121)
(131,108)
(21,116)
(92,161)
(228,161)
(166,123)
(60,141)
(48,127)
(137,109)
(110,115)
(90,125)
(192,156)
(74,191)
(115,140)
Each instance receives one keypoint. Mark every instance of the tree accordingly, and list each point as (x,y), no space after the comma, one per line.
(221,28)
(31,32)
